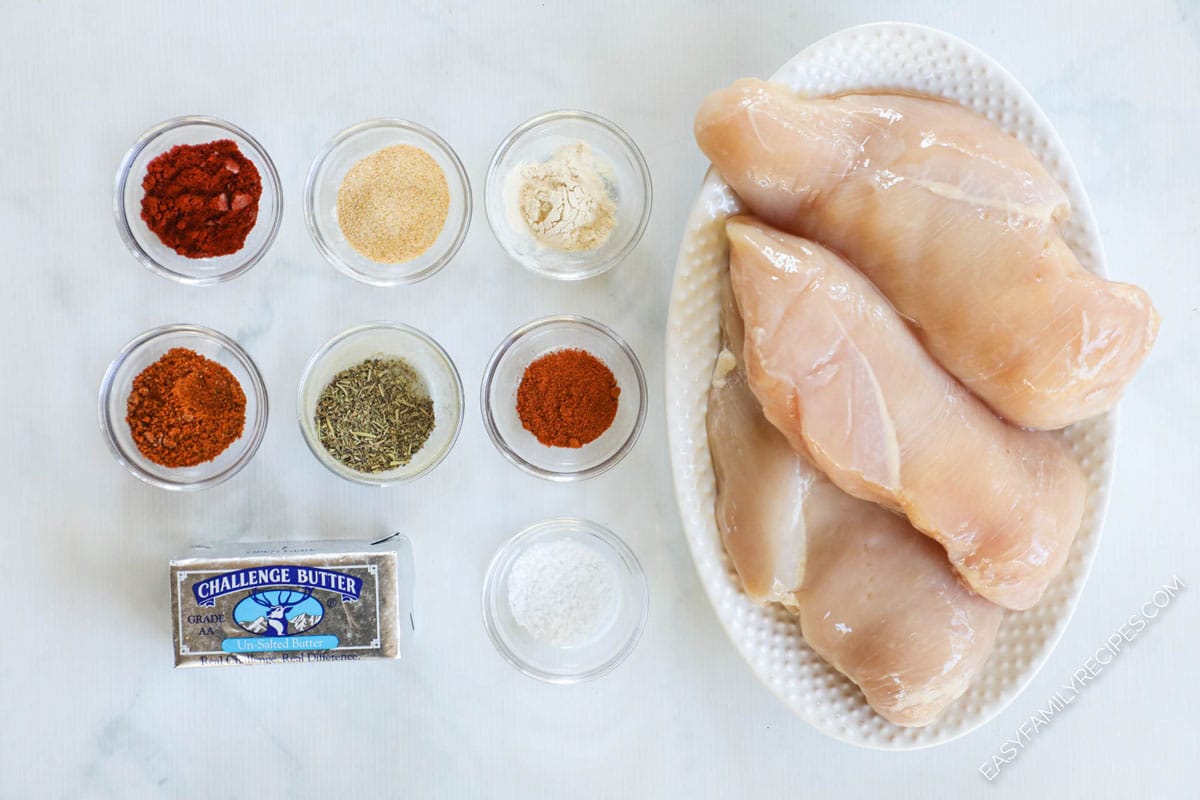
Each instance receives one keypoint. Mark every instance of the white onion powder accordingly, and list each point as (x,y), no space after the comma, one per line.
(563,593)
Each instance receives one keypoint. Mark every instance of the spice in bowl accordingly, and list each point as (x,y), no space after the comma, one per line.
(185,409)
(393,204)
(567,398)
(374,416)
(563,593)
(566,202)
(201,200)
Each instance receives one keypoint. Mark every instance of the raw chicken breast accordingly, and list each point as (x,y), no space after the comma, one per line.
(761,483)
(839,373)
(878,600)
(955,222)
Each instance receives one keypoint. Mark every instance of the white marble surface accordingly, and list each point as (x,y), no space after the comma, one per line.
(89,703)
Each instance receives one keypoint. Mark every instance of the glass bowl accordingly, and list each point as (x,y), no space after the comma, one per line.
(567,664)
(536,141)
(144,351)
(145,244)
(326,176)
(502,377)
(383,340)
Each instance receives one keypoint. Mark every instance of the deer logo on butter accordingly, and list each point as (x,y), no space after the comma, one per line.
(279,613)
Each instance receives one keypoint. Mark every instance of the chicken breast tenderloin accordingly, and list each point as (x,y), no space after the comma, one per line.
(762,486)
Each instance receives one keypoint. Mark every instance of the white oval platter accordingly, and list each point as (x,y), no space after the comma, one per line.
(878,56)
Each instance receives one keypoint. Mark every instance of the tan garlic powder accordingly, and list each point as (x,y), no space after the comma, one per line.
(393,204)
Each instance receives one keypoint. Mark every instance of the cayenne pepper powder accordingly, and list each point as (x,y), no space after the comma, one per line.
(202,199)
(567,398)
(185,409)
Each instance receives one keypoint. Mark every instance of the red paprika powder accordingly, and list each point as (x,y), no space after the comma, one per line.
(202,199)
(185,409)
(567,398)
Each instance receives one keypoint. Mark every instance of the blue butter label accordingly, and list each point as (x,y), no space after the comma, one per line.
(282,643)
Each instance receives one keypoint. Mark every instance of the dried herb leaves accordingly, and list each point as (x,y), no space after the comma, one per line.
(374,416)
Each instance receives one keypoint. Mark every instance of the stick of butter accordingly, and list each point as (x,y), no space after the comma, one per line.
(291,602)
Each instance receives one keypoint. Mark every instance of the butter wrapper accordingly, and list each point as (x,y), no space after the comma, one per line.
(291,602)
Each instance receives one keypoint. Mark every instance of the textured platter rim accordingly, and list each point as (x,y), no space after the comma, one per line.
(686,401)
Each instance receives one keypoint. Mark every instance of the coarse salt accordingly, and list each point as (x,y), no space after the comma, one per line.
(564,593)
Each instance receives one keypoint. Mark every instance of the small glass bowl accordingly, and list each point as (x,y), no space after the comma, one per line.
(502,377)
(567,664)
(144,351)
(384,340)
(326,176)
(145,244)
(537,140)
